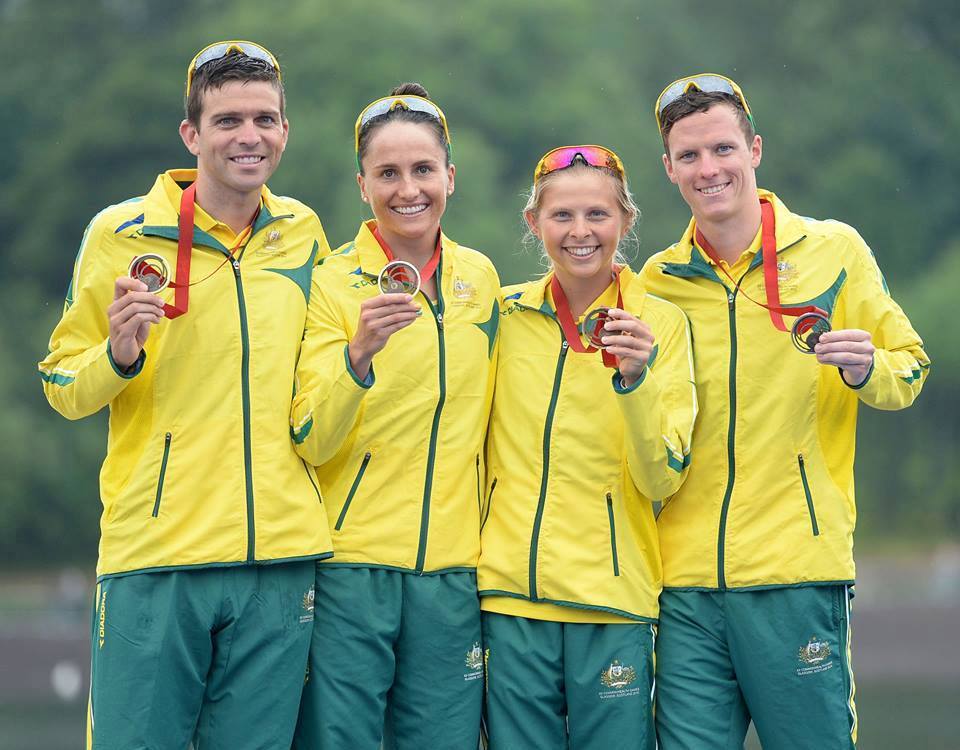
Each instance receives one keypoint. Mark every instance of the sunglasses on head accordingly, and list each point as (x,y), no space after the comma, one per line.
(567,156)
(710,83)
(219,50)
(389,103)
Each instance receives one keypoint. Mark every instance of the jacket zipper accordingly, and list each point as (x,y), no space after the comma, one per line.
(163,472)
(434,430)
(353,490)
(486,512)
(613,535)
(731,435)
(806,491)
(548,425)
(245,400)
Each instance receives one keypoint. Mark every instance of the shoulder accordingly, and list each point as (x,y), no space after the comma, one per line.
(284,204)
(476,262)
(119,219)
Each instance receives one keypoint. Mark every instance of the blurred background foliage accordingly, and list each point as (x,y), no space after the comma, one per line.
(854,100)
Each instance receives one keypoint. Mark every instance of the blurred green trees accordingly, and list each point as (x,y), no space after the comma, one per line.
(856,103)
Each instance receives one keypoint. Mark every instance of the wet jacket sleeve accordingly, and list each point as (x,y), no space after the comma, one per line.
(660,408)
(79,374)
(329,395)
(900,364)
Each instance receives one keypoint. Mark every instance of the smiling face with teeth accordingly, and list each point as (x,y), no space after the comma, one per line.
(580,221)
(239,140)
(406,181)
(713,164)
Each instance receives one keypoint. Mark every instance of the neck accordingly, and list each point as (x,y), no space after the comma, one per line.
(731,236)
(582,293)
(234,209)
(416,250)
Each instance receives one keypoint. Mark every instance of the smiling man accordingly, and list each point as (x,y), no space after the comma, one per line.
(793,326)
(184,316)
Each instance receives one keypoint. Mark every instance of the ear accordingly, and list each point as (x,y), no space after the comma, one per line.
(756,151)
(451,174)
(363,190)
(190,136)
(531,218)
(668,168)
(286,134)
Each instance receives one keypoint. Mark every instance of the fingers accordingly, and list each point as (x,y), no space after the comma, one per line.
(125,284)
(844,348)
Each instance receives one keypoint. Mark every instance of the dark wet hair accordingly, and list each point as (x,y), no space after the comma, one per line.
(401,115)
(234,66)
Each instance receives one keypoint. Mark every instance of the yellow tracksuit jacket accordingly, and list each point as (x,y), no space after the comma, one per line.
(575,459)
(770,499)
(200,469)
(400,455)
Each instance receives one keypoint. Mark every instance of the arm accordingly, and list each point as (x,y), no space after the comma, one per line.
(97,347)
(878,352)
(659,405)
(334,371)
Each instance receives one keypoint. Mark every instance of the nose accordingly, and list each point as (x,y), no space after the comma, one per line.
(580,228)
(408,187)
(708,166)
(249,133)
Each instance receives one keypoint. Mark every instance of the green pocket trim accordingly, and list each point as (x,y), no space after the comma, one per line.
(163,473)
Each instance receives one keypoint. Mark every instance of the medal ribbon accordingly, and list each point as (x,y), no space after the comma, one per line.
(768,240)
(428,270)
(181,294)
(570,330)
(181,289)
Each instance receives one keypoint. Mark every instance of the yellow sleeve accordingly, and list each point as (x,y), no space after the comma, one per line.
(659,410)
(79,374)
(329,395)
(900,364)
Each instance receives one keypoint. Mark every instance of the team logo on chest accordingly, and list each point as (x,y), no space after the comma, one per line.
(272,242)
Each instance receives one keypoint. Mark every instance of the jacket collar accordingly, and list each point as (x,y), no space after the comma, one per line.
(161,210)
(534,293)
(789,232)
(373,259)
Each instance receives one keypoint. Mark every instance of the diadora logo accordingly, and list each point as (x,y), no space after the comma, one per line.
(102,620)
(618,678)
(474,662)
(814,656)
(307,604)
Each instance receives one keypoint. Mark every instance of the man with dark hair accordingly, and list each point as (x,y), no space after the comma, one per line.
(185,315)
(792,325)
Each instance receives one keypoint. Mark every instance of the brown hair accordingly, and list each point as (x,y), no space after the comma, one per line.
(701,101)
(399,114)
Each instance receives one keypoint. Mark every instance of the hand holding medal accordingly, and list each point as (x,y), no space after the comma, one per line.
(623,336)
(134,309)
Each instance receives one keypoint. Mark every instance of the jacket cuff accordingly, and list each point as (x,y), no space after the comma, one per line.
(129,372)
(619,387)
(865,380)
(366,382)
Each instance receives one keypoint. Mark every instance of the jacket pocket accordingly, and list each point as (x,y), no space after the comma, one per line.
(613,535)
(486,511)
(806,492)
(163,472)
(353,490)
(479,498)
